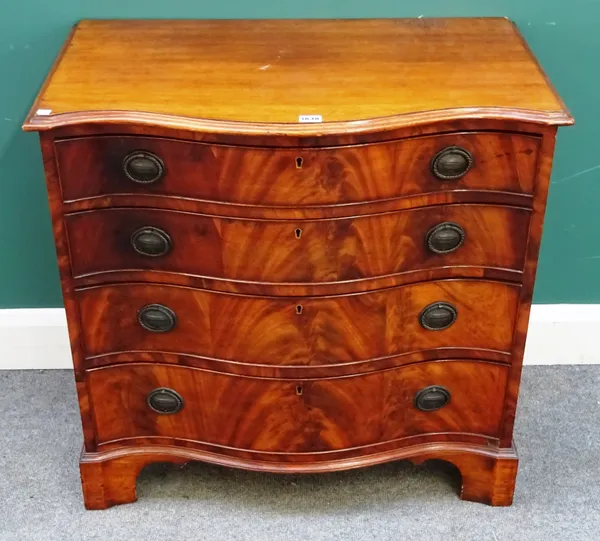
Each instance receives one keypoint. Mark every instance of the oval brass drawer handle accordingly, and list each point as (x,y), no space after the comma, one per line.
(432,398)
(445,238)
(151,241)
(143,167)
(451,163)
(438,316)
(165,401)
(157,318)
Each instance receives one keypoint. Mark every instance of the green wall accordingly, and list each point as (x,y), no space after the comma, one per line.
(564,36)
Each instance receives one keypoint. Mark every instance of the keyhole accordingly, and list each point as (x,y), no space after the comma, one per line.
(299,161)
(298,390)
(298,233)
(299,309)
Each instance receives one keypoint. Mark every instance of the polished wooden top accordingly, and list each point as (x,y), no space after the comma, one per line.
(252,76)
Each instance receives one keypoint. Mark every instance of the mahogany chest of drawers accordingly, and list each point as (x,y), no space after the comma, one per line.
(297,246)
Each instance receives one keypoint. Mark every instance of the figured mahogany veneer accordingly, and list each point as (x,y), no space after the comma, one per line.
(297,416)
(93,167)
(250,289)
(308,252)
(298,330)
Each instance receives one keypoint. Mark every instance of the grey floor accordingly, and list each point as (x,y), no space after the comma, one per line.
(558,487)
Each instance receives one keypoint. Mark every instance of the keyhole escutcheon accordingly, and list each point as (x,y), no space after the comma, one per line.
(298,390)
(298,232)
(299,162)
(299,309)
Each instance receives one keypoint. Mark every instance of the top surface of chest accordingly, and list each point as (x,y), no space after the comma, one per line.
(268,72)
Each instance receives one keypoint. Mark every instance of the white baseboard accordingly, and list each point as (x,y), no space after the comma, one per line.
(558,334)
(563,334)
(34,339)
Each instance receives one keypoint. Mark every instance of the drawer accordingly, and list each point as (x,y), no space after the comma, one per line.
(271,415)
(108,165)
(288,331)
(297,251)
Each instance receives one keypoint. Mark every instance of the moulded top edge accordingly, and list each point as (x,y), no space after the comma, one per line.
(47,122)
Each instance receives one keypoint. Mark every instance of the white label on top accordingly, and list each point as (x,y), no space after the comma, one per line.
(310,118)
(43,112)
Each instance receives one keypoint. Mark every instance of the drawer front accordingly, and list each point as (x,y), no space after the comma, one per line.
(106,165)
(288,331)
(141,400)
(297,251)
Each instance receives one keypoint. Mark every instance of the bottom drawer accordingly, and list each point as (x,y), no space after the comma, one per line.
(296,416)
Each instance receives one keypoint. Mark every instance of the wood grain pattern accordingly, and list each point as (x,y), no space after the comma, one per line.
(297,416)
(330,384)
(341,210)
(314,289)
(270,330)
(533,248)
(307,251)
(270,72)
(352,133)
(67,287)
(91,167)
(297,371)
(488,473)
(303,462)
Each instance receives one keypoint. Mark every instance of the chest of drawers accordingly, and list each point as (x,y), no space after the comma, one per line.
(297,246)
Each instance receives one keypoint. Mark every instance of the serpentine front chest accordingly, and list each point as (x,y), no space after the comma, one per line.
(297,246)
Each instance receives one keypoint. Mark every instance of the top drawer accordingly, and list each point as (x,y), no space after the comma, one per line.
(108,165)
